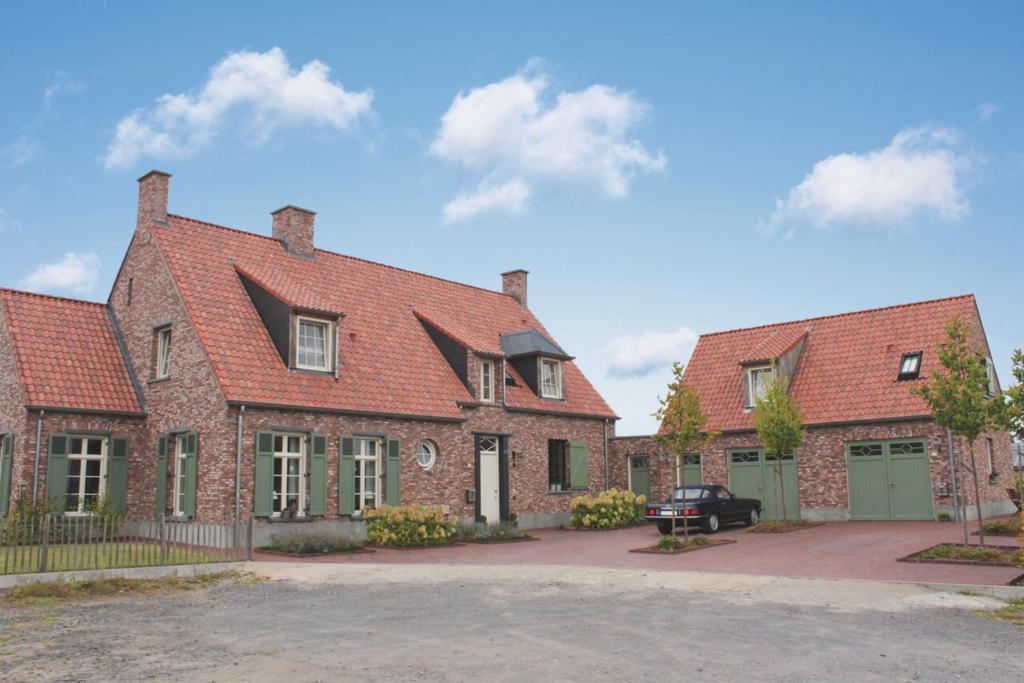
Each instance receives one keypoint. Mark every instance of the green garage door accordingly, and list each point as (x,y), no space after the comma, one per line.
(752,475)
(640,475)
(690,474)
(889,480)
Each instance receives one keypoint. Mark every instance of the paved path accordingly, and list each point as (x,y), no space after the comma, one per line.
(855,550)
(539,623)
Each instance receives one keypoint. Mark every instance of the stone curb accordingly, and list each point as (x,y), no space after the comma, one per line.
(14,580)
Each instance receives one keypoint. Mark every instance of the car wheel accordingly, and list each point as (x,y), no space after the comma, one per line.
(753,518)
(664,528)
(711,524)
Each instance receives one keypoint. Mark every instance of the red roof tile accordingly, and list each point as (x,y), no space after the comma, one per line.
(848,367)
(388,363)
(67,354)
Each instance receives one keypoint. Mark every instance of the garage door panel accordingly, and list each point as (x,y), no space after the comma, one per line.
(910,481)
(889,480)
(640,476)
(869,488)
(779,484)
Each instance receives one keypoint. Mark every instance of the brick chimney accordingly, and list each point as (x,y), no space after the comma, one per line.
(153,189)
(293,226)
(513,283)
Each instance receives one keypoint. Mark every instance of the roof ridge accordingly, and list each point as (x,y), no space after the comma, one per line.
(348,256)
(57,297)
(839,315)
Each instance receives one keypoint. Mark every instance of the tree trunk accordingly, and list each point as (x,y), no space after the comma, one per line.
(977,498)
(782,486)
(960,503)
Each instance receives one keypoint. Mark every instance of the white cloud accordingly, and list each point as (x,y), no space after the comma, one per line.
(21,151)
(261,87)
(75,273)
(986,110)
(916,175)
(516,130)
(639,355)
(509,197)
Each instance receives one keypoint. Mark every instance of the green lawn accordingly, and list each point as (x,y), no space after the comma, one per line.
(24,560)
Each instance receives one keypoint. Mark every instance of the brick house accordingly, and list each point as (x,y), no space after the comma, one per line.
(872,450)
(236,374)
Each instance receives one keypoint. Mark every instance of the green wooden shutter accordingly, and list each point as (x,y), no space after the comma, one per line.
(117,474)
(346,476)
(264,502)
(191,473)
(318,477)
(392,473)
(161,476)
(6,456)
(578,475)
(57,473)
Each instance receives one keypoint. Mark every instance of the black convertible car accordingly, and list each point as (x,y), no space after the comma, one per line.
(706,506)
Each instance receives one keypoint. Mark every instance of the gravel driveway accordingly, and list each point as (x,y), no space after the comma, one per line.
(508,623)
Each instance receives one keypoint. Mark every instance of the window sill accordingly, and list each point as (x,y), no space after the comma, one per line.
(560,493)
(289,520)
(157,380)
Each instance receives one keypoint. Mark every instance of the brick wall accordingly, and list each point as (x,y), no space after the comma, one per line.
(821,464)
(13,417)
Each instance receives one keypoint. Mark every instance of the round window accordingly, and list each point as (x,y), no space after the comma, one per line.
(426,454)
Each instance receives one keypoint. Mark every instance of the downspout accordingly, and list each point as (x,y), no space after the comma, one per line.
(504,386)
(606,482)
(39,444)
(238,467)
(952,477)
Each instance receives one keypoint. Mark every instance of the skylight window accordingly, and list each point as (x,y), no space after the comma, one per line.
(910,366)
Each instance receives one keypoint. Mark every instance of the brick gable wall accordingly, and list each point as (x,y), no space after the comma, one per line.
(14,419)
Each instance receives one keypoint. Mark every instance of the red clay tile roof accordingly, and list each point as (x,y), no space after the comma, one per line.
(67,354)
(388,363)
(848,368)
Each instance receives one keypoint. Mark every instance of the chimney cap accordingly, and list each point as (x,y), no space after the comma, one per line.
(517,270)
(154,172)
(294,208)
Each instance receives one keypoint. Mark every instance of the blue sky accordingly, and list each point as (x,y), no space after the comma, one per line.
(662,170)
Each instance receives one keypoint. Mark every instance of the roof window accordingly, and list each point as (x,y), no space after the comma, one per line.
(910,366)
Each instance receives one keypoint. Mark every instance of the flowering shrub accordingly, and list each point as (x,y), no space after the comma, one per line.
(409,526)
(610,509)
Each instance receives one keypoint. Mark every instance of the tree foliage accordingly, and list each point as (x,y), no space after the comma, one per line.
(684,425)
(959,399)
(1015,397)
(779,426)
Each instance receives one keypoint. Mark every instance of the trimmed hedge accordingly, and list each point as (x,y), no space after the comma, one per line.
(612,509)
(310,543)
(410,526)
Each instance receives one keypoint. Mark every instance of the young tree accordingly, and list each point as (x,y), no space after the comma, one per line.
(1015,403)
(683,428)
(779,425)
(958,396)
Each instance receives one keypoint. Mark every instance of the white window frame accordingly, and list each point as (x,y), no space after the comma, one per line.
(328,365)
(284,455)
(487,381)
(989,447)
(751,385)
(363,457)
(180,483)
(163,352)
(558,379)
(430,450)
(84,458)
(911,357)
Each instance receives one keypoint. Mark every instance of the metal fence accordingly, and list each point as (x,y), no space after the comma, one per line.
(54,543)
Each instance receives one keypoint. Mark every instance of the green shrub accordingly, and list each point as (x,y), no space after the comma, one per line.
(410,526)
(480,531)
(669,543)
(1002,527)
(610,509)
(944,517)
(310,543)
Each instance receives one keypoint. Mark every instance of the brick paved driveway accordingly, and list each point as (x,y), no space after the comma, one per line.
(851,550)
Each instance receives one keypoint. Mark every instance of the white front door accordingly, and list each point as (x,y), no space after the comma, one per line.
(490,480)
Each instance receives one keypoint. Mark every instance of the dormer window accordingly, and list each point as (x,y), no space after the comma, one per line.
(487,381)
(758,381)
(550,378)
(910,366)
(313,347)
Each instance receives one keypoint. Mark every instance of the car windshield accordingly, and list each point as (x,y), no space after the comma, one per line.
(691,493)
